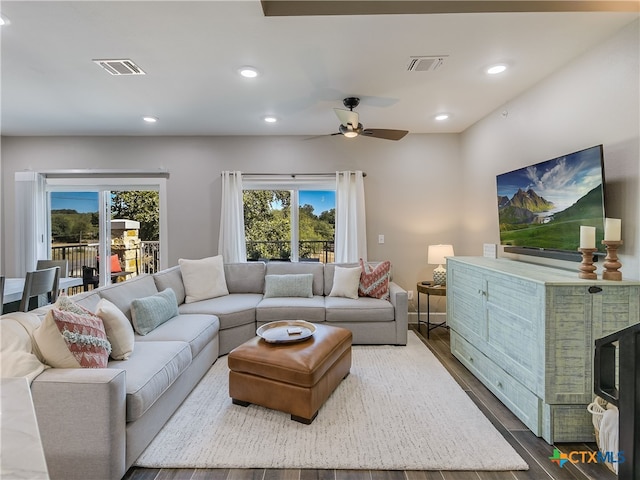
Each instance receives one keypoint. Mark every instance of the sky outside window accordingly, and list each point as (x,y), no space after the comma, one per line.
(81,202)
(320,200)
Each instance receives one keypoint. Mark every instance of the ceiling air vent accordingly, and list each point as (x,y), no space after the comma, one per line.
(425,64)
(120,67)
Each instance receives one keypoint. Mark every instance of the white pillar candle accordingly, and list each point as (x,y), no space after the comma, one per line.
(612,227)
(587,237)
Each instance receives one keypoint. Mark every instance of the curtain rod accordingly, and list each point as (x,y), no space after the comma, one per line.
(293,175)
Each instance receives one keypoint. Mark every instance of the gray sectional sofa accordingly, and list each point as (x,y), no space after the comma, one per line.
(94,423)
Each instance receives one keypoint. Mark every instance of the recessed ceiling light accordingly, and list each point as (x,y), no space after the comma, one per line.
(441,117)
(150,119)
(270,119)
(248,72)
(495,69)
(4,21)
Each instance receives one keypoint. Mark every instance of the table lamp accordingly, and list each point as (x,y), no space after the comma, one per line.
(437,255)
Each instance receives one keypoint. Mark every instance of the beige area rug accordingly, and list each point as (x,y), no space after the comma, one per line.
(399,409)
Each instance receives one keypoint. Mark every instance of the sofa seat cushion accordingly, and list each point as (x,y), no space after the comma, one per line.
(150,371)
(233,310)
(195,329)
(364,309)
(291,308)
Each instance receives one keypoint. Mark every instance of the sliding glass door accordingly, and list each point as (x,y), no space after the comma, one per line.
(120,223)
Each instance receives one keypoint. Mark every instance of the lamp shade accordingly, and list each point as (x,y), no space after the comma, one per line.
(437,254)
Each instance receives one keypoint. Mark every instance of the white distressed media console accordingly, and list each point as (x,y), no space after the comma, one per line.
(527,332)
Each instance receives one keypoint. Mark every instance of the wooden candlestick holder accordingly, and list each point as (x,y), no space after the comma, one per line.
(587,268)
(611,263)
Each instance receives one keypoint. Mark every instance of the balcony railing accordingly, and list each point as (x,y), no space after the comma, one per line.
(308,250)
(147,257)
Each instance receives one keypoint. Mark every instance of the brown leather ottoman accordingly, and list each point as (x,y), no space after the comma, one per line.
(295,378)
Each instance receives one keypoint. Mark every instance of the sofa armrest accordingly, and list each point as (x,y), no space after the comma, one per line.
(399,300)
(81,418)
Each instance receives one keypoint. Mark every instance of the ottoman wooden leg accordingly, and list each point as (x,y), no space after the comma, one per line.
(306,421)
(240,402)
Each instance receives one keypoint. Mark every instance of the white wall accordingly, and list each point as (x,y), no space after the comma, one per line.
(405,185)
(593,100)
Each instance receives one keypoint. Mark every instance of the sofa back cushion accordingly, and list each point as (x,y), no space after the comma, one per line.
(246,277)
(123,293)
(329,271)
(171,278)
(88,300)
(285,268)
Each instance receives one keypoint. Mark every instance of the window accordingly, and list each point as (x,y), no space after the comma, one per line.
(295,223)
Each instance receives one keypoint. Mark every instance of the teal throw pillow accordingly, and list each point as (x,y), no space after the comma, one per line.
(149,312)
(290,285)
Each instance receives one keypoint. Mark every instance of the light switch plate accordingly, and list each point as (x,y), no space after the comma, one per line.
(380,239)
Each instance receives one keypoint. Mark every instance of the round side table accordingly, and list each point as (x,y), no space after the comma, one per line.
(428,288)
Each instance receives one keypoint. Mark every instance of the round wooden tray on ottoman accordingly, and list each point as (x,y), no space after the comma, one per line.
(292,377)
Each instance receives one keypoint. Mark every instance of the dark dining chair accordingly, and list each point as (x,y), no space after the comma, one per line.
(90,277)
(1,292)
(40,282)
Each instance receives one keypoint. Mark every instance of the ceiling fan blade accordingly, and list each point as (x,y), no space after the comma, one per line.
(347,117)
(384,133)
(322,136)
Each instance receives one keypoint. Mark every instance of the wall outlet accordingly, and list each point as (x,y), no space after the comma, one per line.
(409,295)
(380,239)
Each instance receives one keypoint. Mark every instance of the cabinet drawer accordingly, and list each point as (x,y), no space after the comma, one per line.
(519,399)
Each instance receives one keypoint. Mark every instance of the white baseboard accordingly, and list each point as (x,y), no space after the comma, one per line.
(436,317)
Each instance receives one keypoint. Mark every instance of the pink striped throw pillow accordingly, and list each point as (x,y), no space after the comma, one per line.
(374,282)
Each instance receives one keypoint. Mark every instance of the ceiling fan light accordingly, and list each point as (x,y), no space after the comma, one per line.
(350,132)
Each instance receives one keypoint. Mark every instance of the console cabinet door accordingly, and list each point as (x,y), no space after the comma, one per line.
(577,316)
(465,302)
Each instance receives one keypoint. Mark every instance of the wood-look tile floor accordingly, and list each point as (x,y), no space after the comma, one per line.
(533,450)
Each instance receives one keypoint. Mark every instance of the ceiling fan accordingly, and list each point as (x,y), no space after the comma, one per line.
(351,127)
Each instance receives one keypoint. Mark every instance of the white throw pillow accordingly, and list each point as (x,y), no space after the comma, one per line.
(118,328)
(345,282)
(203,278)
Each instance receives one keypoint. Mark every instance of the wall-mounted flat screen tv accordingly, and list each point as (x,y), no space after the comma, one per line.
(541,207)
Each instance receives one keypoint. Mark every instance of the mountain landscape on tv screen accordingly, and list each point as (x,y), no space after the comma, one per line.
(544,205)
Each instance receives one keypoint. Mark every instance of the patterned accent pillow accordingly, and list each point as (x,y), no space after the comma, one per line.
(67,339)
(374,282)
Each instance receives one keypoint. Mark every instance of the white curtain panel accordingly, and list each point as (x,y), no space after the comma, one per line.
(31,221)
(351,228)
(231,243)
